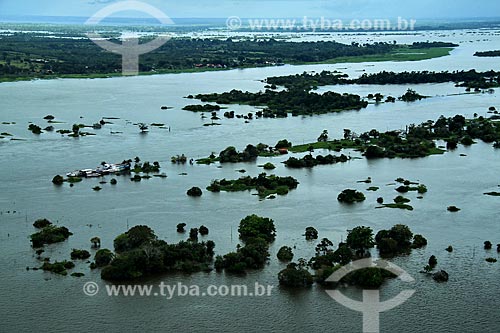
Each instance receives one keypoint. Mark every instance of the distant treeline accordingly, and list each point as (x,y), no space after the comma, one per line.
(488,54)
(425,45)
(32,55)
(471,79)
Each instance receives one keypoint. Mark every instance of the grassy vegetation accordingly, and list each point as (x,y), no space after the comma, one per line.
(265,185)
(401,54)
(335,145)
(397,205)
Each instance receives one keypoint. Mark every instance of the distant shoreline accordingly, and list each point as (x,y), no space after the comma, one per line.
(422,23)
(400,56)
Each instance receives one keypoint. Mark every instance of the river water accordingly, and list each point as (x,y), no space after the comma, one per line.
(46,302)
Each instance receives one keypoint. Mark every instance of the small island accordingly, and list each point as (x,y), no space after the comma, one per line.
(264,184)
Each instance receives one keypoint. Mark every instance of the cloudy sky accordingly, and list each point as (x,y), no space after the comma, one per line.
(269,8)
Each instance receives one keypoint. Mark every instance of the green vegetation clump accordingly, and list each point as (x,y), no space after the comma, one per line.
(416,141)
(80,254)
(254,226)
(400,202)
(269,166)
(265,185)
(58,267)
(49,235)
(495,53)
(283,144)
(73,180)
(398,206)
(297,101)
(308,161)
(471,78)
(285,253)
(180,227)
(397,240)
(203,230)
(401,199)
(368,278)
(58,180)
(411,96)
(103,257)
(253,255)
(358,243)
(256,232)
(351,196)
(41,223)
(311,233)
(432,261)
(146,167)
(295,276)
(202,108)
(491,260)
(424,45)
(139,253)
(360,239)
(419,241)
(35,129)
(136,178)
(231,155)
(194,192)
(193,234)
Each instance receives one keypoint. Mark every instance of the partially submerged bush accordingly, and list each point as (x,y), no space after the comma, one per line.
(433,261)
(194,192)
(58,267)
(103,257)
(50,235)
(80,254)
(58,180)
(254,226)
(311,233)
(41,223)
(285,253)
(269,166)
(295,276)
(351,196)
(419,241)
(203,230)
(180,227)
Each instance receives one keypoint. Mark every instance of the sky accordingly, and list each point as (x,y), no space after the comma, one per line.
(417,9)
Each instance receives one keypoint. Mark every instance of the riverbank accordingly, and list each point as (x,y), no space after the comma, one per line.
(403,53)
